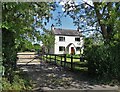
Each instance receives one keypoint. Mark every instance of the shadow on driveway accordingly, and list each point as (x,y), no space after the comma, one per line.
(46,76)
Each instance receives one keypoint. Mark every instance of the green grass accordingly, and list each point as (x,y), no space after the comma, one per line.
(68,59)
(78,64)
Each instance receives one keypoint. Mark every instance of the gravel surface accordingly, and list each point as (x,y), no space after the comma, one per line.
(46,76)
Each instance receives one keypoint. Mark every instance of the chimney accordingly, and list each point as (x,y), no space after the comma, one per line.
(52,27)
(78,29)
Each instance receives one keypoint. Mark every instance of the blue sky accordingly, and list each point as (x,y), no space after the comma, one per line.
(67,22)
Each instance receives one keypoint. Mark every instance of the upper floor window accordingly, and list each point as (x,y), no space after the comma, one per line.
(61,48)
(77,39)
(61,38)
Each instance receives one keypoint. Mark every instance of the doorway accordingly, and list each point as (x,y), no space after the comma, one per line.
(72,50)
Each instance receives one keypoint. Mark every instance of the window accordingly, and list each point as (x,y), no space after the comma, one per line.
(77,39)
(77,48)
(61,48)
(61,38)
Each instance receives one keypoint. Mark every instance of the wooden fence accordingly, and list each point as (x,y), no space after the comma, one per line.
(62,59)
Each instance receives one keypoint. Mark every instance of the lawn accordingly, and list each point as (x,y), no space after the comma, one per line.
(77,64)
(68,58)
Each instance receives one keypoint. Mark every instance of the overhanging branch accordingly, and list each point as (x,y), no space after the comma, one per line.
(88,4)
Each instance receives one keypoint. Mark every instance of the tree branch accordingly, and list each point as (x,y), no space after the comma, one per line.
(88,4)
(99,17)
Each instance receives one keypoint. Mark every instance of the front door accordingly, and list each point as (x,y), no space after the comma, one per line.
(72,51)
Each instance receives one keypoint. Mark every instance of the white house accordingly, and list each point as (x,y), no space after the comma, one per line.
(66,40)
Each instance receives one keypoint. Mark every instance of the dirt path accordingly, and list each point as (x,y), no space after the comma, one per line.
(46,76)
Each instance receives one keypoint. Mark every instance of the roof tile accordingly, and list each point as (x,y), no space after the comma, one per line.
(69,32)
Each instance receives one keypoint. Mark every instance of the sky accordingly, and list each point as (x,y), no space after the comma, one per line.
(66,22)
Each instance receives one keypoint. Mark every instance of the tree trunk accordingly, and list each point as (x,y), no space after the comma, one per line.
(9,53)
(99,17)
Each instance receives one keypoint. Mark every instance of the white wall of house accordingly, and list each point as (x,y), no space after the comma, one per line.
(68,40)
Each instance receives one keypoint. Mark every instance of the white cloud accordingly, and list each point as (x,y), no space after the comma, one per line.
(63,9)
(77,2)
(63,2)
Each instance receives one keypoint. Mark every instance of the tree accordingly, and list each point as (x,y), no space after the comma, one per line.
(108,18)
(37,47)
(48,40)
(17,26)
(101,16)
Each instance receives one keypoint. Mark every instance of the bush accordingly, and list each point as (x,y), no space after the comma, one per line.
(19,84)
(104,60)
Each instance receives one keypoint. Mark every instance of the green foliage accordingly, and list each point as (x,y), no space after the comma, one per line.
(68,55)
(48,40)
(103,55)
(18,17)
(19,84)
(37,47)
(25,45)
(100,17)
(104,60)
(9,53)
(18,31)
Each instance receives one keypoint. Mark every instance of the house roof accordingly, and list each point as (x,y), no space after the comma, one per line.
(67,32)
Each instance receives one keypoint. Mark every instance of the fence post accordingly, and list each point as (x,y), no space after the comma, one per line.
(50,58)
(71,62)
(42,57)
(61,60)
(46,57)
(55,59)
(64,60)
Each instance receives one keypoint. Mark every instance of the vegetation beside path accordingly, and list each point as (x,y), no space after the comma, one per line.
(21,82)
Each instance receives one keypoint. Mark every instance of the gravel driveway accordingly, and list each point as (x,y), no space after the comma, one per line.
(46,76)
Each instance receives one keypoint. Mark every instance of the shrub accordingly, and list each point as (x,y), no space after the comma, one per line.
(104,60)
(18,84)
(68,55)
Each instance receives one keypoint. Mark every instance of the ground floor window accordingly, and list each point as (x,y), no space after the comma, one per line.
(77,48)
(61,48)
